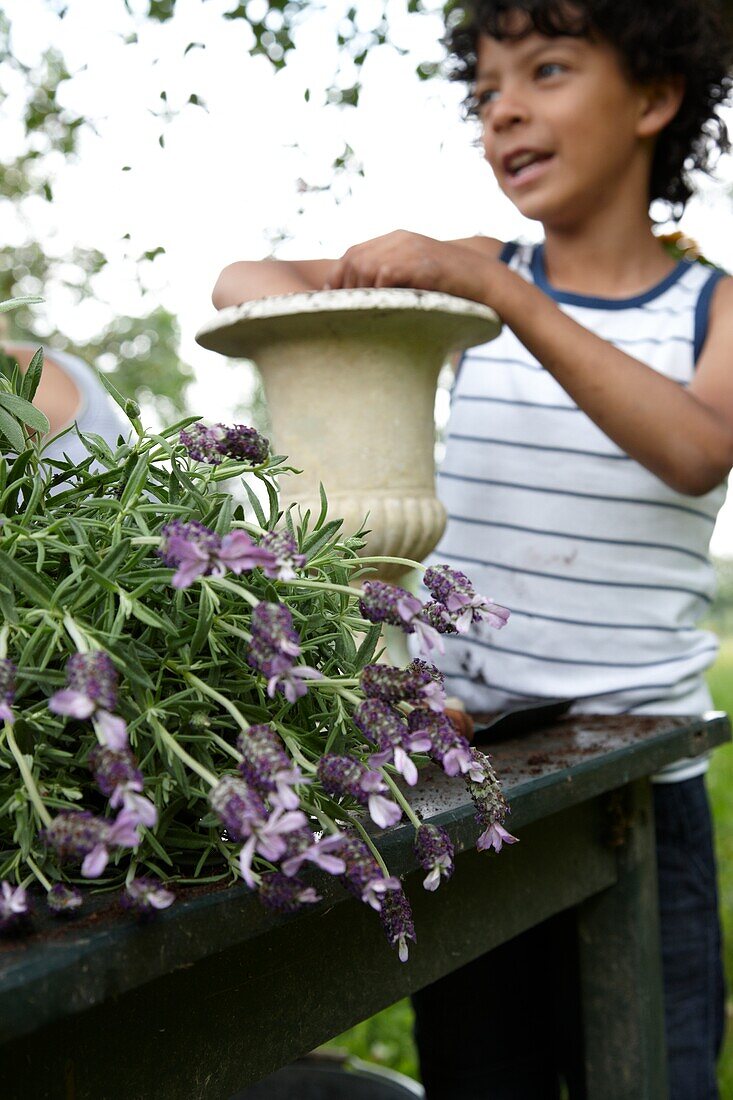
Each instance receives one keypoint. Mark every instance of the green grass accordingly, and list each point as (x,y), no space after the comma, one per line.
(387,1038)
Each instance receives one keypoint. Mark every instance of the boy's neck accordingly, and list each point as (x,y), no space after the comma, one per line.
(606,257)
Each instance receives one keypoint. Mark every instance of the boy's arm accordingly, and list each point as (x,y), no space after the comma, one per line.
(247,279)
(682,435)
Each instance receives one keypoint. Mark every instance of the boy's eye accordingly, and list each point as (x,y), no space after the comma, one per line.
(550,68)
(488,95)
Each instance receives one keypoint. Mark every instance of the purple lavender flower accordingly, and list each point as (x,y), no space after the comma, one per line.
(285,895)
(7,688)
(448,747)
(244,444)
(236,803)
(202,444)
(272,627)
(438,616)
(91,692)
(342,775)
(194,550)
(434,853)
(363,876)
(119,778)
(396,918)
(63,900)
(14,907)
(239,553)
(388,603)
(146,895)
(414,684)
(213,444)
(490,804)
(247,818)
(453,589)
(284,549)
(272,651)
(383,725)
(78,835)
(302,846)
(268,768)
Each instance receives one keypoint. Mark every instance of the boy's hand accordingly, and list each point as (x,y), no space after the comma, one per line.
(411,260)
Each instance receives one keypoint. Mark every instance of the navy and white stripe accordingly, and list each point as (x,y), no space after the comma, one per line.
(605,567)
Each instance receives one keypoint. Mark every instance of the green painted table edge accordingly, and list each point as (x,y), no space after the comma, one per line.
(77,967)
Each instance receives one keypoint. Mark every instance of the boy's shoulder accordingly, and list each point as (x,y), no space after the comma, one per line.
(487,246)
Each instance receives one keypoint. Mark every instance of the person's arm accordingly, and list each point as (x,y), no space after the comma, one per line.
(246,280)
(57,396)
(682,435)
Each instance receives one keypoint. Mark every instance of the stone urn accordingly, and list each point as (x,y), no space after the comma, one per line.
(350,379)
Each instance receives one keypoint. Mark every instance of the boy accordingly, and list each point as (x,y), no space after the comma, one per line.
(586,459)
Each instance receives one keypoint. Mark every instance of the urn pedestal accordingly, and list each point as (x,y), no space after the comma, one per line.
(350,378)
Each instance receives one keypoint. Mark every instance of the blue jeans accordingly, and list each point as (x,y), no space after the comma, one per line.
(507,1026)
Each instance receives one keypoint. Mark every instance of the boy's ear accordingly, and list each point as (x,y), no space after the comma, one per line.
(659,102)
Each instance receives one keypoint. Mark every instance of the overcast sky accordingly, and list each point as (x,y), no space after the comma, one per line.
(225,183)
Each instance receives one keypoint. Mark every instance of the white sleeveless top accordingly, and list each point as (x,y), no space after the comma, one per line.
(604,567)
(97,412)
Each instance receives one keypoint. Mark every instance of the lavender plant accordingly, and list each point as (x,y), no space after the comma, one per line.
(188,694)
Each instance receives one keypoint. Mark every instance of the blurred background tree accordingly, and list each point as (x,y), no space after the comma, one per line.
(140,350)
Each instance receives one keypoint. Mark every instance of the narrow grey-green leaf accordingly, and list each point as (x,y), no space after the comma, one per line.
(28,582)
(26,412)
(32,376)
(11,429)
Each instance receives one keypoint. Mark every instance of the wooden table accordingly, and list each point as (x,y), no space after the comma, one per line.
(216,993)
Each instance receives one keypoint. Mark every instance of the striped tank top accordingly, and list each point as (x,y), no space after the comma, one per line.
(604,567)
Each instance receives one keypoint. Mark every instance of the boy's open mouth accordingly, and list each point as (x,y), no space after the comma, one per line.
(524,163)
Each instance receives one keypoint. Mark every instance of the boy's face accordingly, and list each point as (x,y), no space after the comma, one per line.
(560,123)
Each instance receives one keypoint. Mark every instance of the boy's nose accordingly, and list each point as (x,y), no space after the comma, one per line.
(507,111)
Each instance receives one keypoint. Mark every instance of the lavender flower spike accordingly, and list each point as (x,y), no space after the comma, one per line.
(247,818)
(363,877)
(7,689)
(388,603)
(284,554)
(239,552)
(202,444)
(285,895)
(146,895)
(77,835)
(396,918)
(434,853)
(63,900)
(91,692)
(419,683)
(272,629)
(383,725)
(14,907)
(491,805)
(454,590)
(119,778)
(342,775)
(191,549)
(302,846)
(267,767)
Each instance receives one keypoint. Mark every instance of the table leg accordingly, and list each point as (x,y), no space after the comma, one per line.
(620,964)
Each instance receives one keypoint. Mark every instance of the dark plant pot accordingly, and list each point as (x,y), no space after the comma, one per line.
(325,1079)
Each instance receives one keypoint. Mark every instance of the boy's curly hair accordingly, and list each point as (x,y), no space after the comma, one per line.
(654,38)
